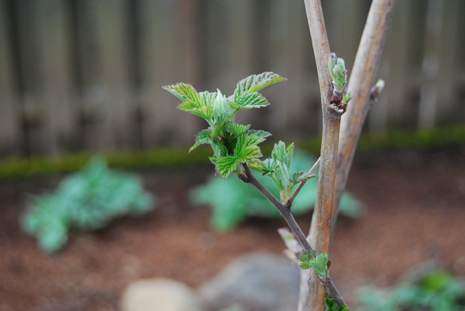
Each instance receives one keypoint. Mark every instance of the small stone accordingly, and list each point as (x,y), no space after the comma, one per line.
(159,295)
(255,282)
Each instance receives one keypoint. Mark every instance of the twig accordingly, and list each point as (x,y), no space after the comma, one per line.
(294,227)
(320,231)
(283,210)
(331,184)
(360,83)
(308,175)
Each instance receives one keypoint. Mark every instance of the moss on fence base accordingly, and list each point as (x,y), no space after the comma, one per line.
(15,167)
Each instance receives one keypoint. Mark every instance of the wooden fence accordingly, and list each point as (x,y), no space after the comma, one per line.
(86,74)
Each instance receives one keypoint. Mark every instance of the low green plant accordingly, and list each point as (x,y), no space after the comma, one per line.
(232,201)
(85,201)
(435,291)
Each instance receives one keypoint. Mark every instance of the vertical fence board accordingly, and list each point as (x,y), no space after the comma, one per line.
(431,64)
(452,35)
(229,44)
(120,53)
(112,47)
(88,73)
(231,50)
(459,91)
(54,76)
(187,27)
(105,106)
(37,137)
(395,108)
(288,46)
(157,52)
(105,74)
(163,64)
(345,25)
(9,127)
(188,59)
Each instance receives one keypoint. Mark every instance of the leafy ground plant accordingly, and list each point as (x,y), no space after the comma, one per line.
(236,150)
(85,201)
(435,291)
(232,200)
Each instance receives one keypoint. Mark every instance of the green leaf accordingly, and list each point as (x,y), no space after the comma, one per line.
(225,165)
(257,165)
(183,91)
(269,166)
(319,263)
(346,98)
(202,138)
(332,305)
(279,169)
(222,111)
(219,150)
(282,153)
(286,176)
(257,82)
(259,135)
(249,100)
(247,148)
(237,129)
(338,72)
(201,106)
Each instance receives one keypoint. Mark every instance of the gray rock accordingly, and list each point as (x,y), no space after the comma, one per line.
(255,282)
(159,295)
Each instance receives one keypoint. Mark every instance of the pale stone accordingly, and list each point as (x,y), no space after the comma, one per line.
(159,295)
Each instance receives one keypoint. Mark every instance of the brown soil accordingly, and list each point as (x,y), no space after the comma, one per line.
(415,212)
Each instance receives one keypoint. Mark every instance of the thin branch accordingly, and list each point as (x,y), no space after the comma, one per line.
(294,227)
(320,231)
(283,210)
(331,182)
(306,177)
(313,170)
(361,80)
(295,194)
(320,44)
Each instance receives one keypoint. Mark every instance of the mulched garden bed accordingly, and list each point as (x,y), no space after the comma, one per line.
(415,211)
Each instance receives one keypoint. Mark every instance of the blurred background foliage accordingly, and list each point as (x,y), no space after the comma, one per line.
(436,290)
(85,201)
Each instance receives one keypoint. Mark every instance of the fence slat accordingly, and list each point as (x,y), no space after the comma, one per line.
(105,74)
(54,72)
(451,64)
(112,42)
(9,127)
(163,64)
(37,134)
(229,43)
(289,50)
(345,26)
(431,64)
(395,107)
(116,55)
